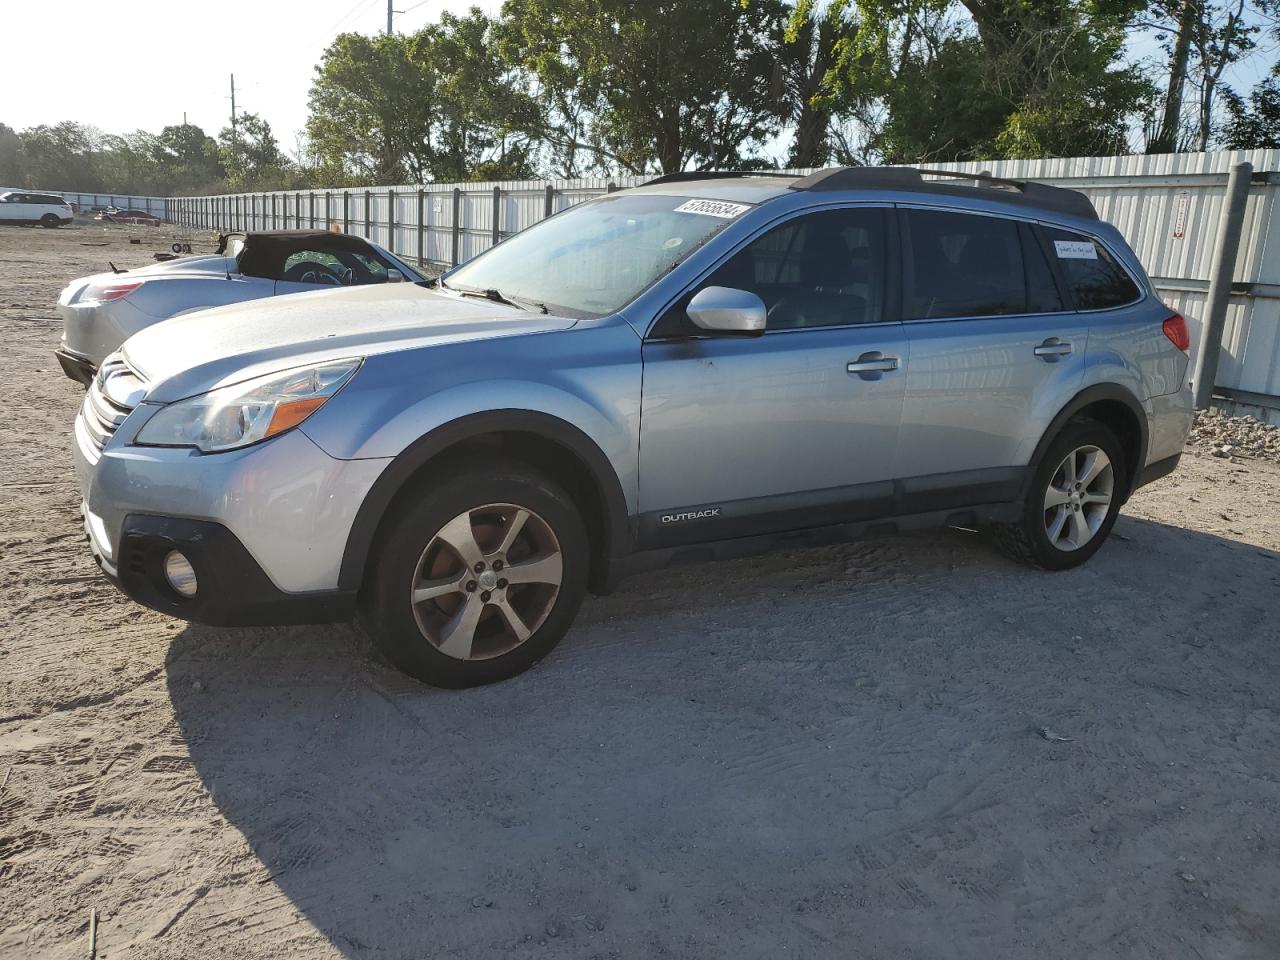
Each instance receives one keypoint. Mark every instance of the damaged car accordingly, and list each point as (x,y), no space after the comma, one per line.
(100,312)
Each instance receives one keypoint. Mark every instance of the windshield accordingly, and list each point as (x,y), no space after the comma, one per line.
(597,257)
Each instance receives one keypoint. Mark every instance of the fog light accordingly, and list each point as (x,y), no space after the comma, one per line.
(178,571)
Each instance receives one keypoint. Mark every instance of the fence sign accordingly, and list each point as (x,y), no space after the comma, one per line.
(1180,216)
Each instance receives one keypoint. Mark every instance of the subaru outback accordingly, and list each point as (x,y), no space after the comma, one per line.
(706,365)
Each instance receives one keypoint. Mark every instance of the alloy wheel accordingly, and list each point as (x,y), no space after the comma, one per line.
(1078,498)
(487,581)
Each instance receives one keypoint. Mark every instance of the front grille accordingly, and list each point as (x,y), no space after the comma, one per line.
(111,397)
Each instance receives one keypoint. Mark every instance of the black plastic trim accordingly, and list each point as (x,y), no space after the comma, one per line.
(880,501)
(78,369)
(1154,471)
(392,480)
(232,589)
(659,557)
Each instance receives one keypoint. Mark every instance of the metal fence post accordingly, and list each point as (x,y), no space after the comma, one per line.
(548,202)
(1221,275)
(497,215)
(391,220)
(611,188)
(422,225)
(346,211)
(311,208)
(368,212)
(457,227)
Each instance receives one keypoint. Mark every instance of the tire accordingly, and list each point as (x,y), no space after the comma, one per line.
(1073,529)
(49,221)
(417,555)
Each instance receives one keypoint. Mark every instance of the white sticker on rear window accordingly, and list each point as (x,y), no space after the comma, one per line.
(1076,249)
(713,208)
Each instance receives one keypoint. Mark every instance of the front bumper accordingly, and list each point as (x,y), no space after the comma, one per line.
(264,527)
(232,590)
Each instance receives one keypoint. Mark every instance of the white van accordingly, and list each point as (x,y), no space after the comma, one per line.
(46,209)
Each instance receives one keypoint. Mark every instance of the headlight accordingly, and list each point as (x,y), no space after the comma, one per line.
(244,413)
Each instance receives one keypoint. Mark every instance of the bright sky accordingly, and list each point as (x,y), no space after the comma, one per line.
(123,65)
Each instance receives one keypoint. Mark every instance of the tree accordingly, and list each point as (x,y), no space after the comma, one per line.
(10,157)
(811,93)
(1202,38)
(438,105)
(1254,124)
(665,85)
(252,158)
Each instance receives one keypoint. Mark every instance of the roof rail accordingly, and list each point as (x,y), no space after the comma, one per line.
(711,175)
(1029,192)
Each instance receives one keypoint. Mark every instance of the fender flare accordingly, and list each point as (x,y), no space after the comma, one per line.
(393,479)
(1087,396)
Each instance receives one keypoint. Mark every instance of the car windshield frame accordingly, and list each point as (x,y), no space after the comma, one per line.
(692,222)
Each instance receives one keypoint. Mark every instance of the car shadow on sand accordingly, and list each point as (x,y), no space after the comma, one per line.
(910,744)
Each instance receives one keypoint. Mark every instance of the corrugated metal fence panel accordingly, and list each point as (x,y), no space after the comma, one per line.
(88,201)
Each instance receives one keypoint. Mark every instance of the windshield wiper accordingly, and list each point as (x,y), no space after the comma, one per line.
(497,296)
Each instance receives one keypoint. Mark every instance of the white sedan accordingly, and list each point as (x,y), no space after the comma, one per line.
(102,311)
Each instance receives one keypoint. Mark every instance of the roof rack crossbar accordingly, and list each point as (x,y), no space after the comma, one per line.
(1036,194)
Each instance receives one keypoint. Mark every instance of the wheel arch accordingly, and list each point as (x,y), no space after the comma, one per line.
(554,446)
(1114,406)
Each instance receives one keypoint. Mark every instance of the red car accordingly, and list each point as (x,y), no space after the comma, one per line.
(137,217)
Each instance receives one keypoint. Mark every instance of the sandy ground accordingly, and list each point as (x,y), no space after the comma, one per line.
(905,748)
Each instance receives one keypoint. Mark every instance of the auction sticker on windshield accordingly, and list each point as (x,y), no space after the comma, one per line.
(713,208)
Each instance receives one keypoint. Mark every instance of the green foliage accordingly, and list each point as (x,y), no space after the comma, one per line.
(1254,123)
(252,158)
(662,85)
(438,105)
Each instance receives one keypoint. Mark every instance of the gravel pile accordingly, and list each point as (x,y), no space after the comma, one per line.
(1225,436)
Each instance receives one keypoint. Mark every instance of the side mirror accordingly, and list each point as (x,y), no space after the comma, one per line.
(394,276)
(728,312)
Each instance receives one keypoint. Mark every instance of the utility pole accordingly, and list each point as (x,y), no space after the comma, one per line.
(389,13)
(233,108)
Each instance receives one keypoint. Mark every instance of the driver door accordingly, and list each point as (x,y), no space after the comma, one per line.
(797,427)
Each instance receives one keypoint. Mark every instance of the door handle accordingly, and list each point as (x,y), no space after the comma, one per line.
(1052,350)
(872,365)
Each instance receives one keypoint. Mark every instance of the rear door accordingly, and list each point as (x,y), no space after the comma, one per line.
(995,350)
(741,436)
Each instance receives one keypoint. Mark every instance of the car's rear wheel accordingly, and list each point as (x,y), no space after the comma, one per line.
(49,221)
(478,579)
(1073,500)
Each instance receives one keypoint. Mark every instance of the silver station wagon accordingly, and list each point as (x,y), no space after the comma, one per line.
(707,365)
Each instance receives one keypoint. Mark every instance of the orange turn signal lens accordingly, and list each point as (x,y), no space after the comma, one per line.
(291,413)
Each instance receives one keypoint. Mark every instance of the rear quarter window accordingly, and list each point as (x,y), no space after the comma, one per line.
(1092,275)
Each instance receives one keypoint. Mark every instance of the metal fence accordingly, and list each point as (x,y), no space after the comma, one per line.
(1171,208)
(157,206)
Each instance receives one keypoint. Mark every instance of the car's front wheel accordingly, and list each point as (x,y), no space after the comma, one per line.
(478,578)
(1073,500)
(49,221)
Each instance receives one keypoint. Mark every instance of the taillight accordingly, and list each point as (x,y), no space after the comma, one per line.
(1175,328)
(105,293)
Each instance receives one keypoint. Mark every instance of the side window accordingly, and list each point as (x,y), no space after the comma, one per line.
(375,271)
(821,270)
(1095,279)
(961,265)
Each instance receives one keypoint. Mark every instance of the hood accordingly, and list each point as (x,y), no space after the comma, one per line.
(200,351)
